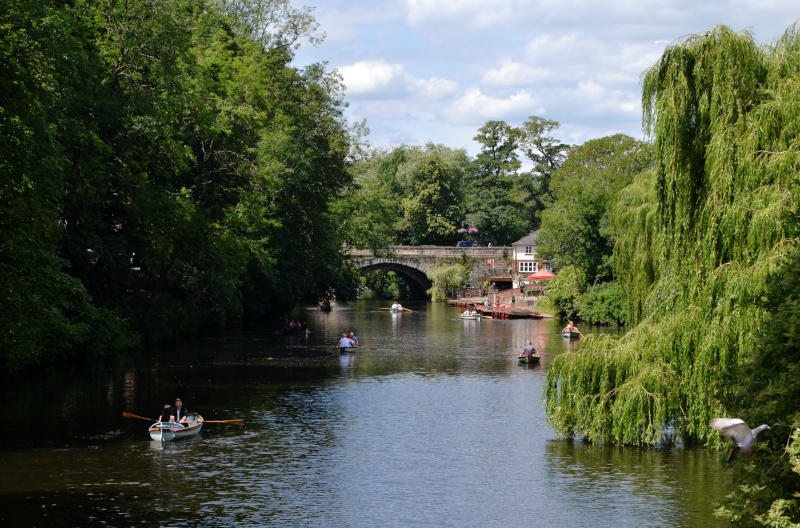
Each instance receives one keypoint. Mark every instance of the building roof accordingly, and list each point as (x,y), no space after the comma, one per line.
(527,240)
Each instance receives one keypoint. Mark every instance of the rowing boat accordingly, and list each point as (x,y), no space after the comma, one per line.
(571,335)
(348,350)
(166,431)
(533,359)
(470,317)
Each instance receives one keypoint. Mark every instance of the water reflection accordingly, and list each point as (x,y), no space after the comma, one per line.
(432,411)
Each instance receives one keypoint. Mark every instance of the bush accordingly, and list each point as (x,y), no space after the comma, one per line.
(565,292)
(603,305)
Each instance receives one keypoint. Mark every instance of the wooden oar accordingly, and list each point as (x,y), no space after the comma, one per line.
(237,421)
(126,414)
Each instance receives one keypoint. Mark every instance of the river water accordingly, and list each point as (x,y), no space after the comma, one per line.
(432,423)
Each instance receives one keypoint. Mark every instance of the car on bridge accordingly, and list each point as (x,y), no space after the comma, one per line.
(467,243)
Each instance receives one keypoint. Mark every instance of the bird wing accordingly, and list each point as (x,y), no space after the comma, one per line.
(735,429)
(721,423)
(740,433)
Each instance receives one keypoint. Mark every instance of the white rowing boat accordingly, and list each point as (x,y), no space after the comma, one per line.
(166,431)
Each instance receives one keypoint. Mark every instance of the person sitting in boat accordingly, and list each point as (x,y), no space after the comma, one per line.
(177,413)
(570,327)
(165,413)
(345,342)
(529,350)
(353,338)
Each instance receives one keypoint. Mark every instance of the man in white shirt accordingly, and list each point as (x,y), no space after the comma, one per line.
(177,413)
(345,342)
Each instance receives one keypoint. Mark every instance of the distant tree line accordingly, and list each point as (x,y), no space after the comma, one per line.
(425,194)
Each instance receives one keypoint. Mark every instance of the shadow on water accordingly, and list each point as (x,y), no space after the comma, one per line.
(431,423)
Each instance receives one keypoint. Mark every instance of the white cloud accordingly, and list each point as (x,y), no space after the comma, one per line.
(433,88)
(436,70)
(512,73)
(595,99)
(370,77)
(379,79)
(476,107)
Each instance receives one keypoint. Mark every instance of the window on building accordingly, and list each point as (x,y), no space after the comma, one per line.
(548,267)
(525,267)
(529,250)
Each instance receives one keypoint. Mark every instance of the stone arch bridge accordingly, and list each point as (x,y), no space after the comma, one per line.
(415,263)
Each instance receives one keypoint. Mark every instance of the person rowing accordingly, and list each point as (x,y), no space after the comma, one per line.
(345,342)
(529,350)
(571,328)
(177,413)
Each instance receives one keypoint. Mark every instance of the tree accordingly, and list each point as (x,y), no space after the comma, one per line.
(717,220)
(184,171)
(565,291)
(411,195)
(547,154)
(576,228)
(500,220)
(433,211)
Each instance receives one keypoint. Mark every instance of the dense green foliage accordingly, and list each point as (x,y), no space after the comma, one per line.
(769,392)
(565,291)
(492,210)
(411,195)
(163,164)
(547,154)
(603,305)
(387,284)
(576,229)
(701,238)
(424,195)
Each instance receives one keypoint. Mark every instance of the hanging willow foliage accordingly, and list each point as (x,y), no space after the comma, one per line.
(698,239)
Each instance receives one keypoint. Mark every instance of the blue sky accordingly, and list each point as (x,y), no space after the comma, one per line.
(437,70)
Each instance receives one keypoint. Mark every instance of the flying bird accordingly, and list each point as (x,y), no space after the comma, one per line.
(743,437)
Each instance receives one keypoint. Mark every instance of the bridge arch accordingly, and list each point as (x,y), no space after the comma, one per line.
(415,272)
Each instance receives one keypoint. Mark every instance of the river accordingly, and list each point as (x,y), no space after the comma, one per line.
(432,423)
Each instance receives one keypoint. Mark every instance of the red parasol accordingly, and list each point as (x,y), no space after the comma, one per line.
(541,274)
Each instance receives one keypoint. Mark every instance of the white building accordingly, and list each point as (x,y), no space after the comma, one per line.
(525,260)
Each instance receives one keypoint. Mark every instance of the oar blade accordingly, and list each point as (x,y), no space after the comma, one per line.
(126,414)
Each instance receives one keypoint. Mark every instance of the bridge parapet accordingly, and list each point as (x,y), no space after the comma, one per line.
(433,252)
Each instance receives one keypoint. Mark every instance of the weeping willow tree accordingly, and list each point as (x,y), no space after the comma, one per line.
(446,279)
(699,238)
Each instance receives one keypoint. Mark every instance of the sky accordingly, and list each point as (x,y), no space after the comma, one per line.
(437,70)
